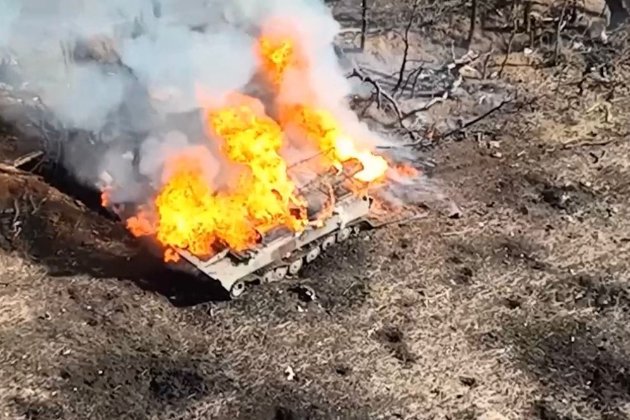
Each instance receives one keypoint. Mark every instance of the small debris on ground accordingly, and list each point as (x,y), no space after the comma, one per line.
(304,293)
(290,374)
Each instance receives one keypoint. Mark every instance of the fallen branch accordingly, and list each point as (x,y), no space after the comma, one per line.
(380,93)
(426,106)
(458,63)
(418,71)
(15,167)
(423,108)
(588,143)
(439,96)
(10,169)
(34,206)
(402,221)
(29,157)
(476,119)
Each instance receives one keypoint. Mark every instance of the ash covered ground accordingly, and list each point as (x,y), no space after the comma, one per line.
(516,308)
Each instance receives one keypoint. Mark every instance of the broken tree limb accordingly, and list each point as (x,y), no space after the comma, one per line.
(402,221)
(454,68)
(416,75)
(476,119)
(426,106)
(27,158)
(14,168)
(10,169)
(442,96)
(380,93)
(588,143)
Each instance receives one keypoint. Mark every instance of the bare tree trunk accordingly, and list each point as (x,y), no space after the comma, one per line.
(403,65)
(473,24)
(363,22)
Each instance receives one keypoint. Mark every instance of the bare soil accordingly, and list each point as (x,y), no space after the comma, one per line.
(517,309)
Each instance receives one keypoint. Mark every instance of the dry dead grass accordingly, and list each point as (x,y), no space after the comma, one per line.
(518,310)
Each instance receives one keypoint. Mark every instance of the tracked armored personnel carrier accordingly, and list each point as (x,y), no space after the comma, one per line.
(338,207)
(335,212)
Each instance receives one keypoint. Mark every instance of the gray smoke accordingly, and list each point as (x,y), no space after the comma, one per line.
(126,76)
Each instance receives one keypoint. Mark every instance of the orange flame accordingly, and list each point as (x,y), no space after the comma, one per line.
(192,216)
(191,213)
(320,127)
(278,55)
(406,171)
(255,140)
(105,201)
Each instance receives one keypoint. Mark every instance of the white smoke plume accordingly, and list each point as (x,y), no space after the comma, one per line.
(129,72)
(124,68)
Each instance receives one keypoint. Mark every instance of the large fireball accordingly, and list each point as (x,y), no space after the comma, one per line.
(190,213)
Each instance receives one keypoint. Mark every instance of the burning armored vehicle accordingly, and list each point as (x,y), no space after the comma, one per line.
(257,178)
(272,183)
(334,213)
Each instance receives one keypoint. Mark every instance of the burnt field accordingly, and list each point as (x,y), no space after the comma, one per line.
(515,306)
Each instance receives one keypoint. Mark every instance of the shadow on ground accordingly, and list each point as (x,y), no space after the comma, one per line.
(578,361)
(69,238)
(143,386)
(64,229)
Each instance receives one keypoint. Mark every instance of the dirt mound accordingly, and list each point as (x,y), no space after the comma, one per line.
(58,231)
